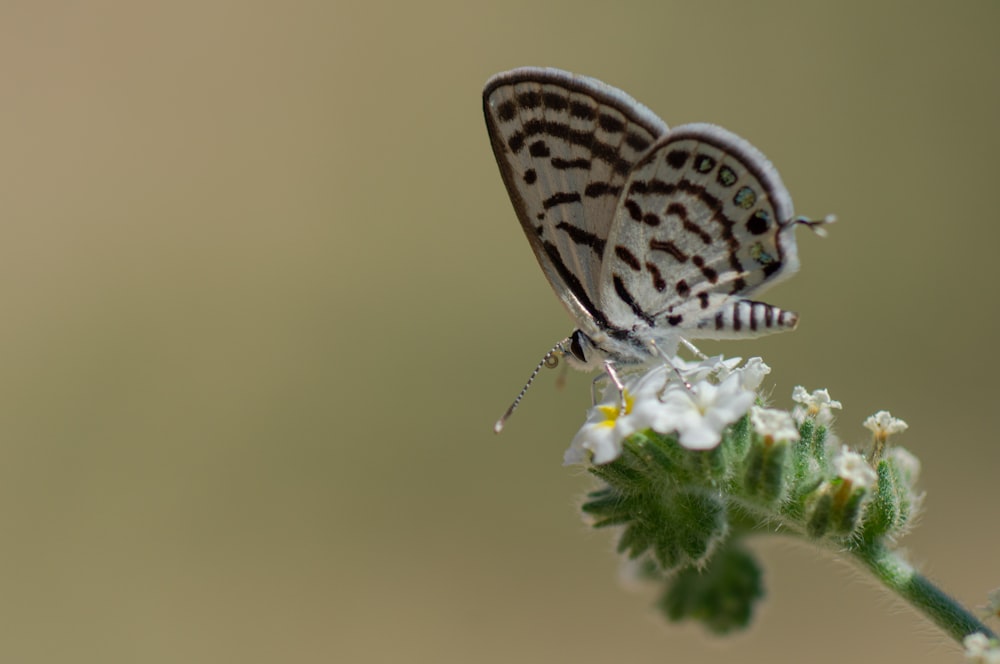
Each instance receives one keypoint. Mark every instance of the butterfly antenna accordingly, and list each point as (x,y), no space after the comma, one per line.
(816,226)
(550,360)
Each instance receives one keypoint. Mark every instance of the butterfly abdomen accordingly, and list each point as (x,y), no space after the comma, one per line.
(745,318)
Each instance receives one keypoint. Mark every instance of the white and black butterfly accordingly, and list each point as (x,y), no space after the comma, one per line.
(648,235)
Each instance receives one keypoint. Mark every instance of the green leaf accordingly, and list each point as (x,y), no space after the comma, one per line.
(722,596)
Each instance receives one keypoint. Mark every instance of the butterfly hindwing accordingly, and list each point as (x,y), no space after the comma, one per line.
(703,221)
(566,145)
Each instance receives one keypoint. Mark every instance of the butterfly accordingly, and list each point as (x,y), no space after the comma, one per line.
(649,236)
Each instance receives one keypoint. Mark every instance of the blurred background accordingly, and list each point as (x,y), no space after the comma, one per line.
(264,296)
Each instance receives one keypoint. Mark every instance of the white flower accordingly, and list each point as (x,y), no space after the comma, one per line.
(883,424)
(752,373)
(981,649)
(817,405)
(600,439)
(698,415)
(774,424)
(657,400)
(717,366)
(854,468)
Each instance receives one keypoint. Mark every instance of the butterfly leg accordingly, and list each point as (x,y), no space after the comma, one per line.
(597,386)
(612,373)
(694,349)
(666,358)
(594,389)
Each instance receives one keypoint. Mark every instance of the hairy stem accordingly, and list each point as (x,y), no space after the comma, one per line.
(918,590)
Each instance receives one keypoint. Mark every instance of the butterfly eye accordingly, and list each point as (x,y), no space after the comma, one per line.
(551,361)
(576,343)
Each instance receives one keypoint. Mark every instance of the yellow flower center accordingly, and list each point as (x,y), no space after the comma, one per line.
(612,413)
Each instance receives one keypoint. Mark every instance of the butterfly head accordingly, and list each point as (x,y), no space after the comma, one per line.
(582,352)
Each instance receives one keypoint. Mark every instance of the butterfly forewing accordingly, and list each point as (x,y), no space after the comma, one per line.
(566,145)
(703,221)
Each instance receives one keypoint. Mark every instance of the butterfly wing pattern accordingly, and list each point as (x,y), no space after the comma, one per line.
(704,221)
(646,234)
(565,145)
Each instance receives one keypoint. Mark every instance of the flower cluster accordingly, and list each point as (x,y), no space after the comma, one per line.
(692,463)
(694,400)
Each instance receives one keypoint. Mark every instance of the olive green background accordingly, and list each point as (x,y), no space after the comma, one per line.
(264,296)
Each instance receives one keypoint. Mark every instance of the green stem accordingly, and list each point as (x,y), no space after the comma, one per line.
(942,609)
(923,595)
